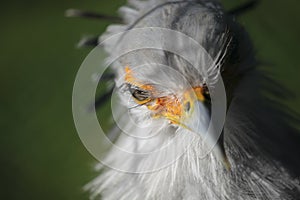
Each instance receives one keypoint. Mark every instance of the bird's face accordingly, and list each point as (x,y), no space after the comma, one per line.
(184,105)
(176,106)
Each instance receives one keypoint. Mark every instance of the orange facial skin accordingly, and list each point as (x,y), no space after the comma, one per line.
(170,107)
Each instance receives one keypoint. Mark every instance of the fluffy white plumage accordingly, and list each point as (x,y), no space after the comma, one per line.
(260,145)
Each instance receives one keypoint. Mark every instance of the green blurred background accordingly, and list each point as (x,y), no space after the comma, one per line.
(40,152)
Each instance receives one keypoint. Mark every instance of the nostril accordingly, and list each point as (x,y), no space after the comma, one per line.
(187,106)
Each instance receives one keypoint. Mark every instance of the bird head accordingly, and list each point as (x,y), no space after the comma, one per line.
(184,105)
(174,107)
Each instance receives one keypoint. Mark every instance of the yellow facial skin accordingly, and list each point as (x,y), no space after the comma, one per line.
(170,107)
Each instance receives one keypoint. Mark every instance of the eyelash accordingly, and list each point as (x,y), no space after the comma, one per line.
(143,96)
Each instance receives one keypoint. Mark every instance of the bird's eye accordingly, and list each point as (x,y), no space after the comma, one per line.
(139,94)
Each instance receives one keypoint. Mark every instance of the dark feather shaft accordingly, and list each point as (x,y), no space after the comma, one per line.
(243,8)
(101,99)
(90,41)
(91,15)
